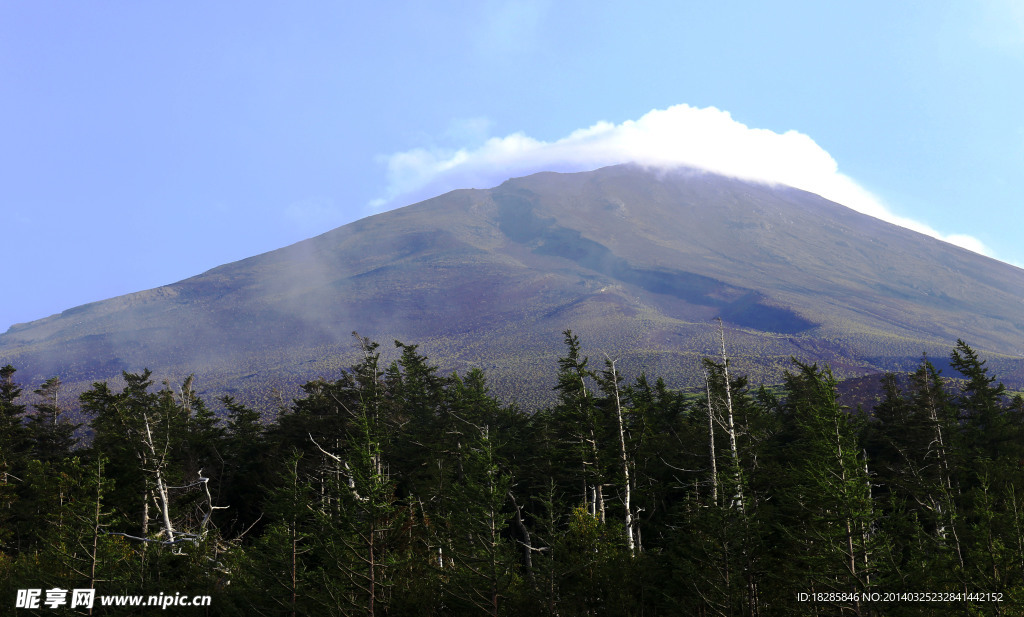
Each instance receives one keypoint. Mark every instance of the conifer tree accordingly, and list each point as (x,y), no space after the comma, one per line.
(658,452)
(719,559)
(372,513)
(577,415)
(284,573)
(989,431)
(913,442)
(247,470)
(149,439)
(992,432)
(483,563)
(412,409)
(50,435)
(831,492)
(117,427)
(13,446)
(609,383)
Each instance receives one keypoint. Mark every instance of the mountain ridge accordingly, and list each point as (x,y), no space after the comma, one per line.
(638,262)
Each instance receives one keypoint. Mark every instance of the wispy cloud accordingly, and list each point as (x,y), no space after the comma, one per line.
(707,138)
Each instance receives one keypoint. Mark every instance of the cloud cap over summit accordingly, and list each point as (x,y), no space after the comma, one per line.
(678,136)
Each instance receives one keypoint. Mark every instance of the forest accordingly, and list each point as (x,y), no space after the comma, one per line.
(396,490)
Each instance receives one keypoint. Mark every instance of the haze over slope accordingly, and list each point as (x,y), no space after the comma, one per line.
(639,263)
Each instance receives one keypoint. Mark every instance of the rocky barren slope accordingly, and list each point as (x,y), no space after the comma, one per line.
(638,262)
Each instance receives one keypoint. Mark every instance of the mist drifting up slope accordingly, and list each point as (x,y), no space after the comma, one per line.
(638,262)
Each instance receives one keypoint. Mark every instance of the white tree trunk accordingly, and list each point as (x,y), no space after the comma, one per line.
(625,462)
(738,497)
(711,441)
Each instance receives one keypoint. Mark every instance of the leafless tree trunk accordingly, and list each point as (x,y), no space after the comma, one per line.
(524,539)
(866,531)
(625,460)
(711,441)
(159,462)
(946,482)
(731,426)
(295,552)
(597,494)
(96,527)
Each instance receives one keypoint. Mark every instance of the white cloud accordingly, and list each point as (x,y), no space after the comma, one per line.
(707,138)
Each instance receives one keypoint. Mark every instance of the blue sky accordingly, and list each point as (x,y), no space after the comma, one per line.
(142,143)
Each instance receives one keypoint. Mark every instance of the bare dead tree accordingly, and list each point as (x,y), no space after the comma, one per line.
(711,441)
(152,452)
(731,426)
(630,535)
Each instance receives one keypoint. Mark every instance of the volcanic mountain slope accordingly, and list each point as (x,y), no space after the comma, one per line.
(639,263)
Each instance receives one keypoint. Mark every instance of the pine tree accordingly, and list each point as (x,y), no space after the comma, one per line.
(482,572)
(831,494)
(247,469)
(372,513)
(412,409)
(988,429)
(152,440)
(917,475)
(657,451)
(51,437)
(992,432)
(117,433)
(719,560)
(577,417)
(284,577)
(13,449)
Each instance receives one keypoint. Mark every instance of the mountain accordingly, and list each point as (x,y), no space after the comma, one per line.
(638,262)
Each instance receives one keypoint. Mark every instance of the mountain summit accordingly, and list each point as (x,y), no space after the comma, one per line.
(639,263)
